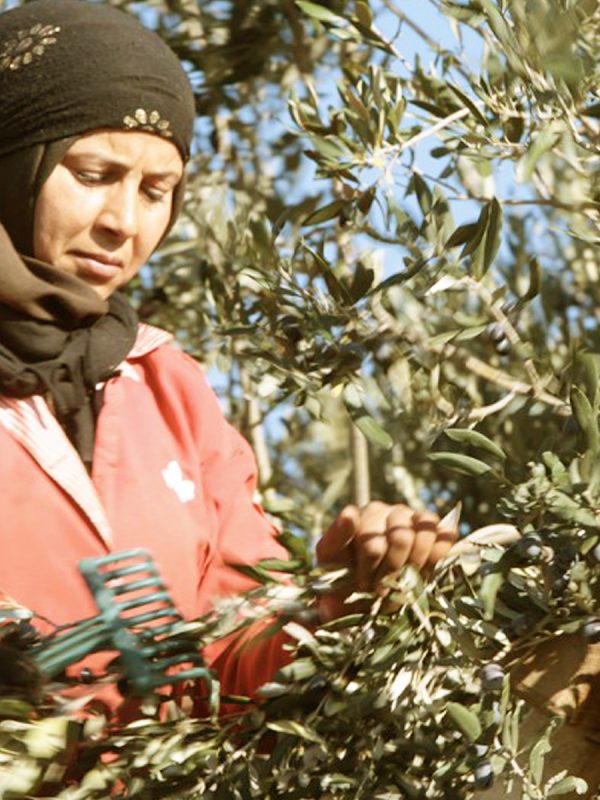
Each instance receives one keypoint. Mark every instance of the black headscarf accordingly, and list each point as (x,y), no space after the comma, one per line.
(68,68)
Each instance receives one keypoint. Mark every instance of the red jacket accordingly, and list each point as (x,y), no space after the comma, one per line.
(169,474)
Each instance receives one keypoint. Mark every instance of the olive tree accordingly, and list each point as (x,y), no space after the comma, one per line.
(392,264)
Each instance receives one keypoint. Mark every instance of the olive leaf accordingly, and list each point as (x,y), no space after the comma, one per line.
(475,439)
(467,720)
(460,463)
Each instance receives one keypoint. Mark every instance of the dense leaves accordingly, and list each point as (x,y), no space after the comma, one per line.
(412,699)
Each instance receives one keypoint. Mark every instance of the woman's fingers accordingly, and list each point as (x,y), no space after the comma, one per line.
(410,538)
(370,543)
(379,539)
(426,536)
(334,547)
(400,538)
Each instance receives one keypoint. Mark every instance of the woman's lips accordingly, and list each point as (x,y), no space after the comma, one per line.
(97,266)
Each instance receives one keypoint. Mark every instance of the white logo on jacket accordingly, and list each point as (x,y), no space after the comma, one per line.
(183,488)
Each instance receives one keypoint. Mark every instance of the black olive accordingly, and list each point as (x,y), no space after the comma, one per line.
(496,332)
(483,775)
(530,546)
(591,630)
(86,675)
(491,676)
(503,347)
(518,627)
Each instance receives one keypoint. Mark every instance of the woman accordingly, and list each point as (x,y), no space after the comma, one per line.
(110,437)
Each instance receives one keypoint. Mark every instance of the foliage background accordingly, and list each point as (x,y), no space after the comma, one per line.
(291,301)
(392,263)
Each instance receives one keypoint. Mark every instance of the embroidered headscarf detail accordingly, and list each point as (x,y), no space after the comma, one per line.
(26,45)
(150,122)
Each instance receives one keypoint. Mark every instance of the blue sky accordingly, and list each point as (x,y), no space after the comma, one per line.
(435,24)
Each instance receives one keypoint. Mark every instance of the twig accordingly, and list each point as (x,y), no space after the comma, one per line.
(360,462)
(477,414)
(256,430)
(586,205)
(419,137)
(507,381)
(474,364)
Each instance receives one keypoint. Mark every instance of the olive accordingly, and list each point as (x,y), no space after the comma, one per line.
(306,616)
(558,578)
(384,355)
(28,634)
(496,332)
(530,546)
(483,775)
(518,627)
(565,555)
(591,630)
(173,771)
(559,584)
(86,675)
(317,682)
(23,636)
(503,347)
(491,676)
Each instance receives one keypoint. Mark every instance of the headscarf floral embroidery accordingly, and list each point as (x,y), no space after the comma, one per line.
(20,51)
(151,122)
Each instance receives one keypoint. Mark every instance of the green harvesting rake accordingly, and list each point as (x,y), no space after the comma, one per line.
(137,618)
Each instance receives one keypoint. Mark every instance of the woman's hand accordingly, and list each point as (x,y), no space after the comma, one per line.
(377,541)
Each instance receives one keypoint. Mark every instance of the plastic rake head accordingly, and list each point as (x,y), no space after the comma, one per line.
(138,619)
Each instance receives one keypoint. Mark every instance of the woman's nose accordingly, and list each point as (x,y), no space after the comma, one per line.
(120,212)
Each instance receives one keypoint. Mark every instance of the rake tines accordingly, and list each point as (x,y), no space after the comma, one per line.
(137,618)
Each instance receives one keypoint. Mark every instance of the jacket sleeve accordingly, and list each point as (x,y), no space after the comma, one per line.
(243,535)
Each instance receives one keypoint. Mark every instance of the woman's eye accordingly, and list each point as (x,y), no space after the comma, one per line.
(156,195)
(89,177)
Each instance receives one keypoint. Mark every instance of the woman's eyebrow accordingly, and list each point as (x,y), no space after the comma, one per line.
(111,161)
(166,175)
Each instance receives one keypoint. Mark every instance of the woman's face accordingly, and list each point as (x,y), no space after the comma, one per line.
(106,206)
